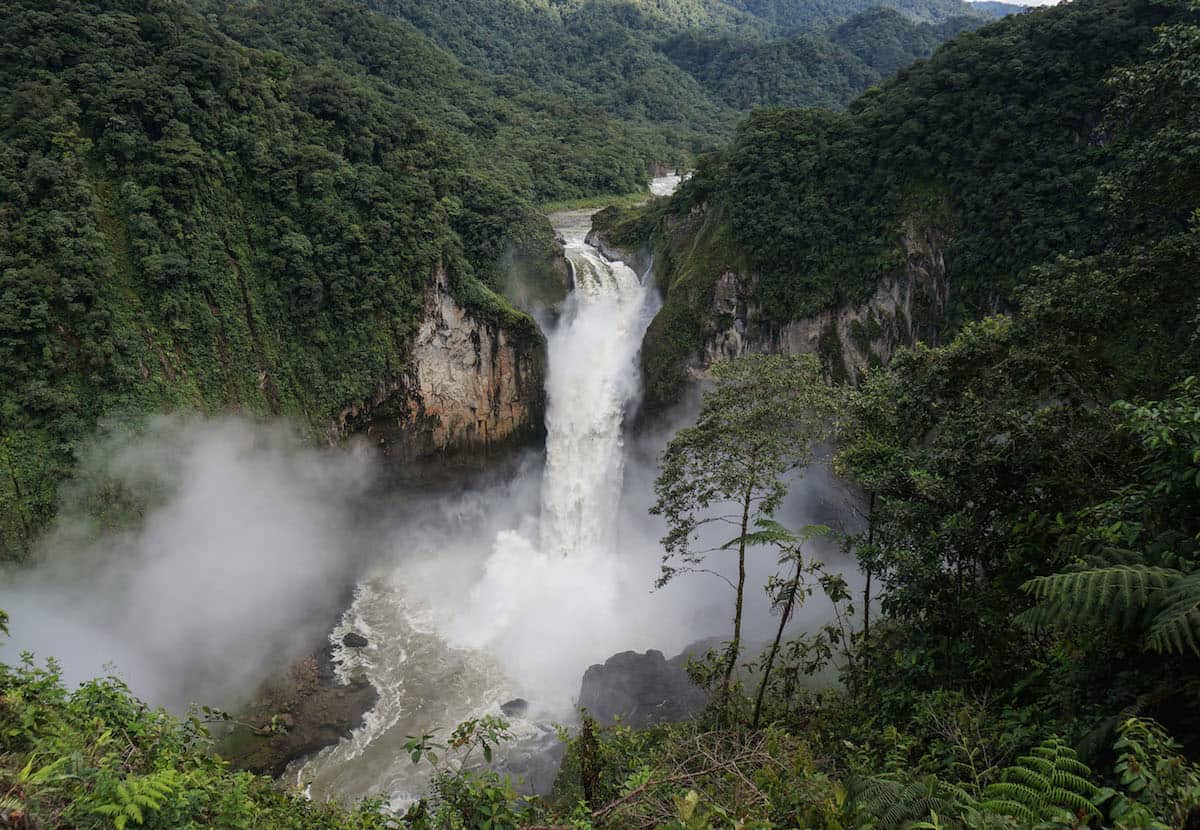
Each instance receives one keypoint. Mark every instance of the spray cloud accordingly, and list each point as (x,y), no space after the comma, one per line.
(233,569)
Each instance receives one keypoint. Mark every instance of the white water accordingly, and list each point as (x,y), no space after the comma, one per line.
(666,185)
(548,596)
(593,378)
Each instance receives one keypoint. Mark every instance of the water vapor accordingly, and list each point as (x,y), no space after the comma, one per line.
(246,547)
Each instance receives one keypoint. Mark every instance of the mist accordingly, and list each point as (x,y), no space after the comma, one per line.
(247,547)
(241,549)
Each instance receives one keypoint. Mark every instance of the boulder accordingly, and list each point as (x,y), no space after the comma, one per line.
(640,689)
(515,708)
(353,640)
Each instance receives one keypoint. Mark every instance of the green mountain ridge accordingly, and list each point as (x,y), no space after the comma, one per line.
(995,143)
(225,205)
(686,70)
(236,205)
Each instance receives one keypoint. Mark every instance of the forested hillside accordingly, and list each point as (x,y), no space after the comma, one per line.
(221,206)
(209,201)
(998,147)
(685,70)
(819,13)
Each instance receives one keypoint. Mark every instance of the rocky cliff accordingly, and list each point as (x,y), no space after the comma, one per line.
(905,307)
(713,307)
(473,385)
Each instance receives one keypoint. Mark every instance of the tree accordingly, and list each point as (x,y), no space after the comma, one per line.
(761,421)
(785,594)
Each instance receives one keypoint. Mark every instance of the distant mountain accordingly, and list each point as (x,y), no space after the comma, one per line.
(687,70)
(934,200)
(997,9)
(816,14)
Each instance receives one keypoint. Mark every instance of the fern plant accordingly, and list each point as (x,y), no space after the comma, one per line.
(1146,578)
(135,796)
(1163,604)
(893,802)
(1048,786)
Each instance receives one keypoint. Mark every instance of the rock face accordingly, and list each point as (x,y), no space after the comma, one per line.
(473,385)
(295,714)
(905,308)
(515,708)
(640,260)
(640,689)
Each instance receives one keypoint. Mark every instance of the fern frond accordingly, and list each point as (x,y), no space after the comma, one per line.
(1030,778)
(1176,627)
(896,804)
(1006,807)
(1047,783)
(1119,593)
(1073,802)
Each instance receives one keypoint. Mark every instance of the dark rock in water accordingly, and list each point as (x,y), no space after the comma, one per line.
(532,763)
(353,640)
(640,689)
(296,713)
(515,708)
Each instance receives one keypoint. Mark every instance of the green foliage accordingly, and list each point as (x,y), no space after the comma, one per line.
(817,13)
(680,71)
(1157,781)
(891,801)
(761,421)
(98,758)
(1145,539)
(221,206)
(1049,785)
(993,160)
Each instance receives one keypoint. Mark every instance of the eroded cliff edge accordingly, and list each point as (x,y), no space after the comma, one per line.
(474,384)
(713,307)
(905,308)
(472,387)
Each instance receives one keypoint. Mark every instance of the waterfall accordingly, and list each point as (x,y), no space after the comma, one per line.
(592,380)
(510,595)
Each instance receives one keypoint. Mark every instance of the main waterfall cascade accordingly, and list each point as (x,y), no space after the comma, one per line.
(591,383)
(547,598)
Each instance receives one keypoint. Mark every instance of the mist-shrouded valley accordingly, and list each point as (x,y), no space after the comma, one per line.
(599,414)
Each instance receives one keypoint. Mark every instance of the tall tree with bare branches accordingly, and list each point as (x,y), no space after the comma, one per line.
(762,420)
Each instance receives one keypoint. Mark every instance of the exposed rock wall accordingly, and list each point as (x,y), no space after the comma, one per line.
(639,260)
(472,386)
(905,308)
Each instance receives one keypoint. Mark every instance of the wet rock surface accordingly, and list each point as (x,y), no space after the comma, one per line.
(515,708)
(532,763)
(296,714)
(640,690)
(353,640)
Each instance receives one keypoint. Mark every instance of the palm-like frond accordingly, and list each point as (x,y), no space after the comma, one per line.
(1163,602)
(1176,627)
(888,802)
(1047,783)
(1120,594)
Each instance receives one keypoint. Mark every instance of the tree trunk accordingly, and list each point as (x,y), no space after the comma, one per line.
(867,589)
(783,621)
(735,647)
